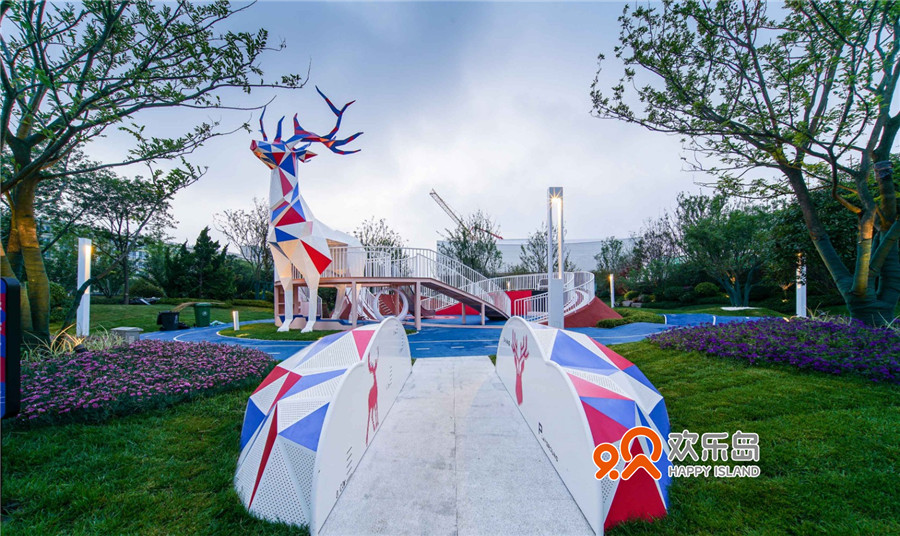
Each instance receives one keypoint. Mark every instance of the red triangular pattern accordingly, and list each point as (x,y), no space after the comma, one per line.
(635,498)
(603,428)
(290,216)
(278,156)
(276,373)
(362,339)
(286,186)
(288,383)
(617,360)
(267,450)
(319,260)
(586,388)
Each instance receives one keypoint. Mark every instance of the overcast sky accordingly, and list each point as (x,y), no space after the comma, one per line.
(487,103)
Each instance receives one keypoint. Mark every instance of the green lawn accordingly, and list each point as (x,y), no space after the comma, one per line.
(144,316)
(270,333)
(829,457)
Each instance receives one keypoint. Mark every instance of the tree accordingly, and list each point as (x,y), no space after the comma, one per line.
(474,244)
(248,231)
(533,254)
(780,107)
(374,233)
(70,72)
(124,213)
(613,258)
(656,254)
(210,274)
(729,245)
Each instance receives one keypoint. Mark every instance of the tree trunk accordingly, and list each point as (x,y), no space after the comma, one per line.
(7,271)
(877,307)
(126,286)
(28,244)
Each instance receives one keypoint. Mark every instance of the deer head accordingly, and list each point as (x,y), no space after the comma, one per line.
(274,152)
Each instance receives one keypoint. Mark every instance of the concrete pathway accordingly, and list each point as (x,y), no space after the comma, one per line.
(454,456)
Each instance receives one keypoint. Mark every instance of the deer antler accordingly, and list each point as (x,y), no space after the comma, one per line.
(262,128)
(300,134)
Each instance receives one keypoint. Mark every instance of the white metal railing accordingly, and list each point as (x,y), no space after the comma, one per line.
(349,262)
(577,287)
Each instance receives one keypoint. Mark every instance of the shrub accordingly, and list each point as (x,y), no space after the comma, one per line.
(707,289)
(714,300)
(630,316)
(666,305)
(59,297)
(253,303)
(764,291)
(670,294)
(632,294)
(141,288)
(95,385)
(829,347)
(688,298)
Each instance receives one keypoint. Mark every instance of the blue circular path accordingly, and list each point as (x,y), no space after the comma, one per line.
(436,341)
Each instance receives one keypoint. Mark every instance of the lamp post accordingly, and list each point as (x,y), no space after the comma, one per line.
(554,284)
(801,286)
(83,316)
(612,291)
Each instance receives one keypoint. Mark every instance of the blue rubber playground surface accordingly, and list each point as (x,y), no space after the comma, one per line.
(436,341)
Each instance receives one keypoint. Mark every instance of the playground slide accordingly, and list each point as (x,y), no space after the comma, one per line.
(312,418)
(575,394)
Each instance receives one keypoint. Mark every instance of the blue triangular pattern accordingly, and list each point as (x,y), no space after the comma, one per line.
(307,430)
(295,194)
(297,205)
(621,411)
(660,418)
(282,236)
(322,344)
(312,380)
(568,352)
(252,419)
(602,372)
(636,373)
(278,211)
(287,164)
(663,465)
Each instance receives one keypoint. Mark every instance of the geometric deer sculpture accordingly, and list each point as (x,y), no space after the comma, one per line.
(296,238)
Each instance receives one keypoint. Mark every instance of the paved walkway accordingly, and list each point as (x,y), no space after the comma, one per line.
(454,456)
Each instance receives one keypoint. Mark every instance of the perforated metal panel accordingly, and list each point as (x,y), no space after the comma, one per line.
(276,498)
(598,379)
(301,462)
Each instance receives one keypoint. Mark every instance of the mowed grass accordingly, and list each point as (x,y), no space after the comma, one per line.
(829,449)
(162,472)
(829,457)
(144,316)
(269,332)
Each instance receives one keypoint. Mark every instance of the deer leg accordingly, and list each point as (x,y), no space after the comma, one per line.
(313,287)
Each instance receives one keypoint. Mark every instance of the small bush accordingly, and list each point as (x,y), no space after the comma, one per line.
(59,297)
(707,290)
(666,305)
(714,300)
(142,288)
(253,303)
(57,314)
(630,316)
(632,294)
(671,293)
(688,298)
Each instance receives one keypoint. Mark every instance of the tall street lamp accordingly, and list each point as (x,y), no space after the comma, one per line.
(555,284)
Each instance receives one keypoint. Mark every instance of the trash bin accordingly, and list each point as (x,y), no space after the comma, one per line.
(168,320)
(201,314)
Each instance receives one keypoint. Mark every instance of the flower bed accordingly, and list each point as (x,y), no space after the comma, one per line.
(148,374)
(806,344)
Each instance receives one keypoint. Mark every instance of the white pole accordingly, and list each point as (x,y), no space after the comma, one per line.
(83,318)
(612,291)
(801,286)
(235,320)
(549,237)
(559,234)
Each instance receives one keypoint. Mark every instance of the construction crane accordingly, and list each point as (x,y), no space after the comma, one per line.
(455,217)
